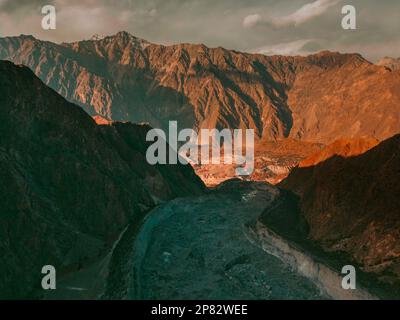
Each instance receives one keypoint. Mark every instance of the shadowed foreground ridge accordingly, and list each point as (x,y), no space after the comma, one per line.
(68,186)
(352,205)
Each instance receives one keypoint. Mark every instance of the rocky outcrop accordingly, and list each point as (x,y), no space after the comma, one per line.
(351,204)
(318,98)
(391,63)
(273,161)
(342,147)
(69,186)
(323,276)
(101,120)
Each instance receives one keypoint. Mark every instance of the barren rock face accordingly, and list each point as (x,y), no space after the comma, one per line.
(341,147)
(318,98)
(68,186)
(352,203)
(391,63)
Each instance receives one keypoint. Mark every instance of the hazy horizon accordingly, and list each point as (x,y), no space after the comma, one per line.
(298,27)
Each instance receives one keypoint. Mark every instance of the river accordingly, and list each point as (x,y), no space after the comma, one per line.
(199,248)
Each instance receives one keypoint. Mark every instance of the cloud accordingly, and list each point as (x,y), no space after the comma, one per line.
(13,5)
(286,48)
(305,13)
(233,24)
(251,20)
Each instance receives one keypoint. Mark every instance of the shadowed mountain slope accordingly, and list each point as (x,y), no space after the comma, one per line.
(68,186)
(351,204)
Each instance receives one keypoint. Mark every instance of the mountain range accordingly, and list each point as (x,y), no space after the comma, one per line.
(125,78)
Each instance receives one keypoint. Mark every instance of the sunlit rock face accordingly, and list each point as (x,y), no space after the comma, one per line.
(318,98)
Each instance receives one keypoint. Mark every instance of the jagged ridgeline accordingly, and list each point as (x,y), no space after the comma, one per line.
(318,98)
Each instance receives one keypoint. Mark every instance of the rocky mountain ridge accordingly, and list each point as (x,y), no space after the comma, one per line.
(318,98)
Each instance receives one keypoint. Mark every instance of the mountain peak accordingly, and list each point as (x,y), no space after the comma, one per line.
(27,36)
(124,35)
(97,37)
(122,38)
(126,38)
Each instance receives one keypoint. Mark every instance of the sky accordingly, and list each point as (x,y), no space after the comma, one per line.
(286,27)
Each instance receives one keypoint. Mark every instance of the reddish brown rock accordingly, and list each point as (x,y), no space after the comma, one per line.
(318,98)
(342,147)
(390,63)
(101,120)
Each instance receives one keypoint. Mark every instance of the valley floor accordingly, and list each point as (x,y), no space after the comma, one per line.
(209,247)
(198,248)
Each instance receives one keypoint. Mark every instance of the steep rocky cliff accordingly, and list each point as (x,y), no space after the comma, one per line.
(351,202)
(68,186)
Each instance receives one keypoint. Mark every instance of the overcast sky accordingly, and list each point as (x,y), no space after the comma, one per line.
(268,26)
